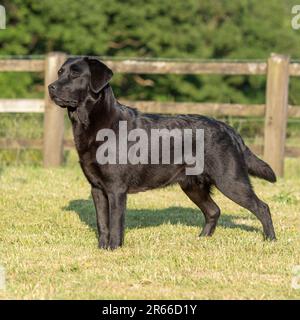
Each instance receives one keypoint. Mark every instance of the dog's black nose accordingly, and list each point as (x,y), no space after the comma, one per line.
(51,87)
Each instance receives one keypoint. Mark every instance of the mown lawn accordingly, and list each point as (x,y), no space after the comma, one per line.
(48,243)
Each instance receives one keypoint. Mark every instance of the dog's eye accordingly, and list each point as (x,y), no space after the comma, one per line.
(59,72)
(74,74)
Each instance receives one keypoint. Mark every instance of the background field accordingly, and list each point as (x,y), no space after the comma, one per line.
(48,242)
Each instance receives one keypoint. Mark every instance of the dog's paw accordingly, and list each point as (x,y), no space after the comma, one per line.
(114,244)
(103,243)
(270,238)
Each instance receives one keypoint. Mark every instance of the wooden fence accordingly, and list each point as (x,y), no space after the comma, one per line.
(276,110)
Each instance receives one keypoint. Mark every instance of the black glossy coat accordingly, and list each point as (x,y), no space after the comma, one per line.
(83,88)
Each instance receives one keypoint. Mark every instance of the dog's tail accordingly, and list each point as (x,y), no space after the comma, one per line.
(258,168)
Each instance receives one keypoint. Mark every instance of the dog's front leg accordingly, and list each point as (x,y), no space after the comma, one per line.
(117,207)
(102,215)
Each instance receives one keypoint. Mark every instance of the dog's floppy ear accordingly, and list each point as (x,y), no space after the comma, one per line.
(100,74)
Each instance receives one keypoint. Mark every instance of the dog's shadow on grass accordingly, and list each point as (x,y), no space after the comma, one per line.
(144,218)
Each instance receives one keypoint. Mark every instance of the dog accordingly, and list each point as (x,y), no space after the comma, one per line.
(83,88)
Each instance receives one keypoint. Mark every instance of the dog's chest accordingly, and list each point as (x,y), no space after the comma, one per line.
(83,139)
(85,144)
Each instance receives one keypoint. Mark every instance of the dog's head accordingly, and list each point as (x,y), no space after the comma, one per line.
(77,78)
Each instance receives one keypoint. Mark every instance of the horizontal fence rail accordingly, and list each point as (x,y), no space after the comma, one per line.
(136,66)
(22,105)
(165,67)
(213,109)
(278,69)
(22,65)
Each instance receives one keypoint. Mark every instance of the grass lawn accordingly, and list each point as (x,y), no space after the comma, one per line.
(48,242)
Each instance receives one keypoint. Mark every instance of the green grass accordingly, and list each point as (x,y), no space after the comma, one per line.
(48,242)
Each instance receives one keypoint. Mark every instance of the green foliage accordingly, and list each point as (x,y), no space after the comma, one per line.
(190,29)
(20,85)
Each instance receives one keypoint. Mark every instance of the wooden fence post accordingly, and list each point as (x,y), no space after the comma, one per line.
(54,115)
(276,111)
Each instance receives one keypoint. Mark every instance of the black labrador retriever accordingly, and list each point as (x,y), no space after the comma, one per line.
(83,88)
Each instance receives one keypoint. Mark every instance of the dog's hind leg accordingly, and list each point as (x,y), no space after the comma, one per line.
(239,190)
(206,204)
